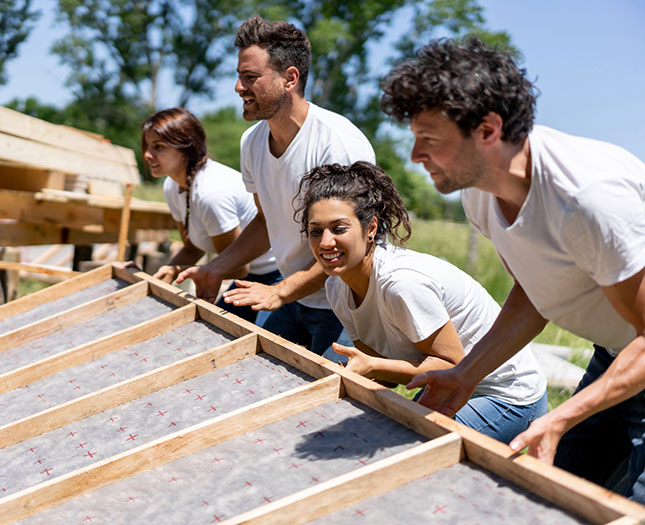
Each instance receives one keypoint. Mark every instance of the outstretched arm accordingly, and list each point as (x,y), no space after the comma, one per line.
(252,242)
(188,255)
(441,350)
(623,379)
(516,325)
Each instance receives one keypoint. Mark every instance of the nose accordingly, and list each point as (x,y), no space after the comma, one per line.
(239,86)
(147,156)
(327,239)
(418,154)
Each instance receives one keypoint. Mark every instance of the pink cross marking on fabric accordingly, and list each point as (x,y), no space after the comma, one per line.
(32,449)
(187,391)
(47,470)
(239,381)
(122,429)
(89,518)
(81,445)
(160,413)
(200,398)
(302,423)
(176,480)
(248,483)
(260,441)
(319,434)
(77,387)
(294,465)
(266,500)
(362,462)
(439,508)
(211,408)
(313,480)
(339,447)
(172,424)
(131,499)
(217,460)
(131,438)
(226,374)
(144,360)
(216,519)
(73,434)
(359,512)
(112,375)
(148,404)
(71,381)
(90,454)
(250,392)
(204,502)
(39,461)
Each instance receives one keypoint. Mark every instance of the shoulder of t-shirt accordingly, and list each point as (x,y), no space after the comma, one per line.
(342,133)
(250,134)
(401,267)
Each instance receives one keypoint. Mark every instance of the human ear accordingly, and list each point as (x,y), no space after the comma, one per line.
(291,76)
(372,228)
(489,130)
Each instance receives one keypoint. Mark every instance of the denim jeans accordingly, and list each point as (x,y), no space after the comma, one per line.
(499,419)
(608,446)
(246,312)
(314,328)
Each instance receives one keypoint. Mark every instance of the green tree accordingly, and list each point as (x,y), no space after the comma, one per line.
(224,130)
(16,18)
(119,48)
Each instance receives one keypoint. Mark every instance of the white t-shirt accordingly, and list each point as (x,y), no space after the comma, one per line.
(410,296)
(325,138)
(582,226)
(219,203)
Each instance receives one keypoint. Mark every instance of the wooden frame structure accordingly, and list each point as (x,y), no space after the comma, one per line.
(41,164)
(65,330)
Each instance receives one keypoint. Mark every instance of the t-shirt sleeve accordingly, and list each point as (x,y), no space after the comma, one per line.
(337,297)
(218,213)
(172,198)
(412,302)
(604,231)
(245,163)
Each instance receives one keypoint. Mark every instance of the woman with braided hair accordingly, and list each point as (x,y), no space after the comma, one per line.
(207,199)
(406,312)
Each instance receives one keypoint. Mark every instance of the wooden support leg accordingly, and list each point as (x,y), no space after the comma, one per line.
(9,279)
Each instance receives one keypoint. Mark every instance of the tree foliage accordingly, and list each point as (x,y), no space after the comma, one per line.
(16,21)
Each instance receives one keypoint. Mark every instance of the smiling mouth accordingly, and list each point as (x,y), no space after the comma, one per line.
(331,256)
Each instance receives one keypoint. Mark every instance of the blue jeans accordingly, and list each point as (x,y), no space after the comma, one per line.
(499,419)
(607,448)
(246,312)
(314,328)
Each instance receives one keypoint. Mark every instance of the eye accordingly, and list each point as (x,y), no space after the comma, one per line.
(314,233)
(340,229)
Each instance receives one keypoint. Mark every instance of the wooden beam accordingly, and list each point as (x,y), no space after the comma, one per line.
(158,452)
(125,223)
(125,391)
(295,355)
(37,268)
(56,291)
(21,125)
(379,477)
(22,234)
(60,320)
(39,155)
(94,349)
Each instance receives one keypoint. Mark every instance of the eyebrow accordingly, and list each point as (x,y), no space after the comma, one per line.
(335,221)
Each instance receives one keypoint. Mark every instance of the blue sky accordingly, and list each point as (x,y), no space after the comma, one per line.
(586,56)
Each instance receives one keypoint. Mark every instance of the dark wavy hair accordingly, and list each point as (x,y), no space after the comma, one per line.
(363,184)
(287,46)
(180,129)
(466,81)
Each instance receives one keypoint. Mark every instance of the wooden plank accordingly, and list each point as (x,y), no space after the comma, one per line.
(371,480)
(625,520)
(95,349)
(126,391)
(223,319)
(21,234)
(297,356)
(46,156)
(169,448)
(55,292)
(37,268)
(25,207)
(125,223)
(60,320)
(65,138)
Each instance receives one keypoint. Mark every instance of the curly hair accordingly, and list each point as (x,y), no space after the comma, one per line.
(364,185)
(466,81)
(287,46)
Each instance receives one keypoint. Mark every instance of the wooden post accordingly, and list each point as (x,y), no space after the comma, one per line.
(10,276)
(125,223)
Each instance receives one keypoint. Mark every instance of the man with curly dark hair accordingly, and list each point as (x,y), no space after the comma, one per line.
(567,216)
(292,137)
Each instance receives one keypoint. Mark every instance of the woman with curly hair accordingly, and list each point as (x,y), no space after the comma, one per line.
(407,312)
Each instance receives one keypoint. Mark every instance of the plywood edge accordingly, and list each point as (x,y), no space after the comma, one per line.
(94,349)
(359,484)
(174,446)
(55,292)
(126,390)
(61,320)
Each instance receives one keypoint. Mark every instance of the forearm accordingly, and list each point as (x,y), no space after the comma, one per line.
(622,380)
(400,371)
(252,242)
(517,324)
(301,284)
